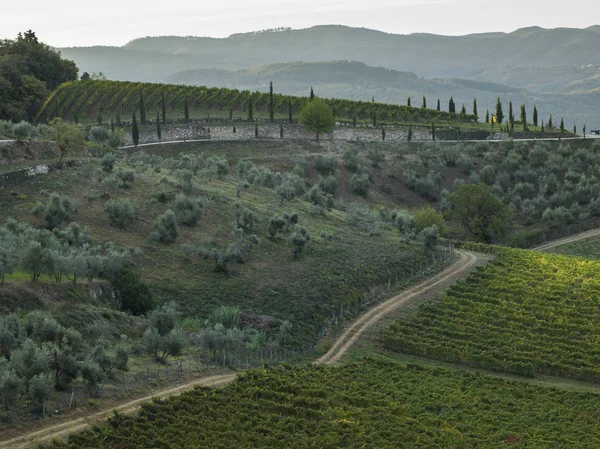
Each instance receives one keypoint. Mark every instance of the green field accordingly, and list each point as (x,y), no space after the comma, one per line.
(525,313)
(369,404)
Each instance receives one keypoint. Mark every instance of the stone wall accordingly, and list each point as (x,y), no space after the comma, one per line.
(246,131)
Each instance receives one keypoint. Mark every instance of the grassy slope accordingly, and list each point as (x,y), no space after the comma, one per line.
(306,291)
(588,248)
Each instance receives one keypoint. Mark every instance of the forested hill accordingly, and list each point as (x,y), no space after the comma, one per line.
(426,54)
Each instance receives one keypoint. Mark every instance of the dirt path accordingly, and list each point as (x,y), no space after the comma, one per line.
(47,434)
(353,333)
(573,238)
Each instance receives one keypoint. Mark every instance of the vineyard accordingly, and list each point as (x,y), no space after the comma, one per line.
(524,313)
(588,248)
(91,101)
(369,404)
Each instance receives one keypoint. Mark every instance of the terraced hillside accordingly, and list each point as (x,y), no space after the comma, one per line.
(525,313)
(88,100)
(368,404)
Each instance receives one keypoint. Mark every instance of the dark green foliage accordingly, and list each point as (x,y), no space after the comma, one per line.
(142,107)
(360,183)
(562,125)
(186,109)
(451,106)
(158,130)
(250,111)
(29,71)
(165,228)
(475,113)
(163,106)
(245,218)
(58,209)
(300,239)
(430,236)
(481,213)
(271,105)
(133,295)
(326,165)
(135,132)
(188,210)
(499,113)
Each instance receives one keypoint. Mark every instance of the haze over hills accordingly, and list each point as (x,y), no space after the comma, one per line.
(558,69)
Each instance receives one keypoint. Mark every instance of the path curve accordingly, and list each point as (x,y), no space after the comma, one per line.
(353,333)
(571,239)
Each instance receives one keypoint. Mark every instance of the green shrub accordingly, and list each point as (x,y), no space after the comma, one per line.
(188,210)
(121,212)
(165,228)
(326,165)
(58,209)
(133,294)
(360,184)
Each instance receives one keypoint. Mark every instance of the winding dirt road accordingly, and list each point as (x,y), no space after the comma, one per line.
(342,344)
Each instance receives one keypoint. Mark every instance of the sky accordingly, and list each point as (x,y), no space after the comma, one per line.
(69,23)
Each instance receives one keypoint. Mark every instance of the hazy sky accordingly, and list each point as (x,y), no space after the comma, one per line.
(65,23)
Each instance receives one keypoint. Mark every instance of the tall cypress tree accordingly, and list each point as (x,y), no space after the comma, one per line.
(550,125)
(542,127)
(290,110)
(158,130)
(499,113)
(271,105)
(451,106)
(410,134)
(463,111)
(373,99)
(186,109)
(562,126)
(424,106)
(535,116)
(408,103)
(250,111)
(163,105)
(475,113)
(574,129)
(439,106)
(256,130)
(312,93)
(524,118)
(487,116)
(135,132)
(511,115)
(142,109)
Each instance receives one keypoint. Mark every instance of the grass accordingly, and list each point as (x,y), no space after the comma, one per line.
(588,248)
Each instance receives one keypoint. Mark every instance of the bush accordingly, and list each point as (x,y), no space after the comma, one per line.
(165,228)
(58,209)
(430,236)
(133,294)
(595,207)
(326,165)
(319,198)
(98,134)
(300,239)
(465,163)
(405,222)
(23,131)
(351,159)
(108,162)
(121,212)
(557,217)
(328,184)
(126,175)
(426,217)
(360,184)
(376,155)
(188,210)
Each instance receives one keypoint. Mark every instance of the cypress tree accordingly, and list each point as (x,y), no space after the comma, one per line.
(135,132)
(163,105)
(487,116)
(290,110)
(271,105)
(562,126)
(499,113)
(510,114)
(281,131)
(463,111)
(408,102)
(584,130)
(542,127)
(312,93)
(524,118)
(439,108)
(452,106)
(383,134)
(535,116)
(424,102)
(250,112)
(142,109)
(475,113)
(410,133)
(256,130)
(574,129)
(158,130)
(186,109)
(433,131)
(373,99)
(354,121)
(550,124)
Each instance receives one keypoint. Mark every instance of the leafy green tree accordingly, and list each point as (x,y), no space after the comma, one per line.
(316,116)
(550,124)
(40,389)
(300,239)
(67,136)
(483,215)
(426,217)
(58,209)
(499,113)
(360,183)
(122,212)
(135,132)
(10,384)
(98,134)
(188,210)
(430,236)
(409,136)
